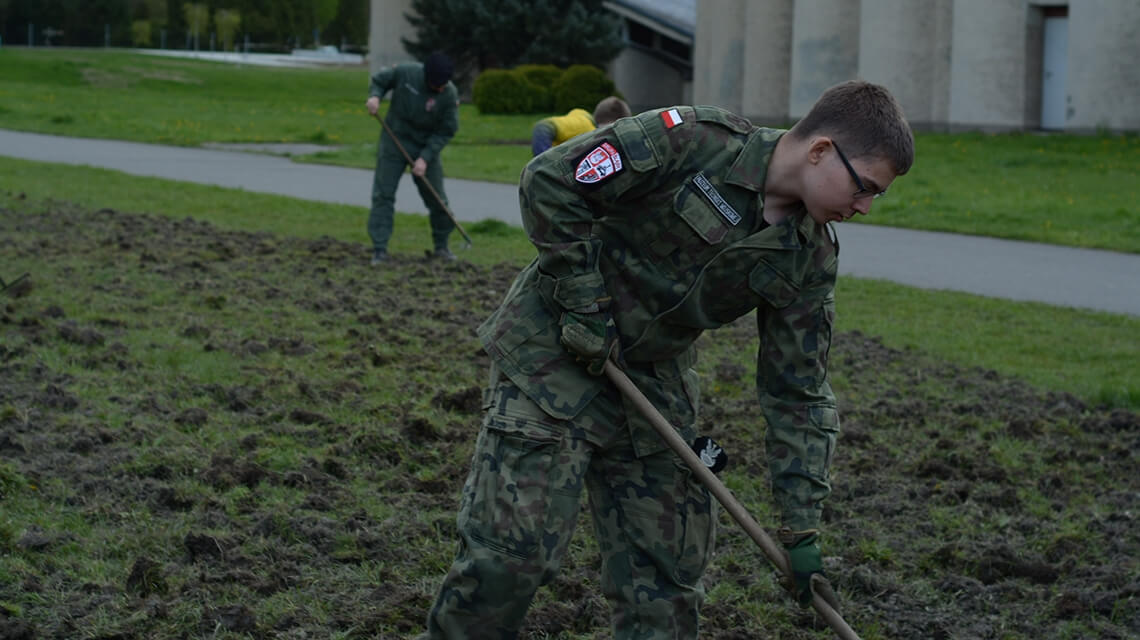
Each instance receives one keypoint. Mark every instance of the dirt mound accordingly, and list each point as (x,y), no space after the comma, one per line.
(214,432)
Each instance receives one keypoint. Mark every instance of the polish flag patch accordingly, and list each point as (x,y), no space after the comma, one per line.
(672,118)
(601,163)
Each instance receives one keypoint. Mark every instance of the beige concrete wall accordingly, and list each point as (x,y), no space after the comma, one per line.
(766,85)
(825,49)
(1104,65)
(905,46)
(647,82)
(387,25)
(988,64)
(718,53)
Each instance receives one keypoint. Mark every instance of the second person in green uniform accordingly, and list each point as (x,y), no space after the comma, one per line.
(423,116)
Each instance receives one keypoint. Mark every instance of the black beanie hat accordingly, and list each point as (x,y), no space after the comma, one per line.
(437,69)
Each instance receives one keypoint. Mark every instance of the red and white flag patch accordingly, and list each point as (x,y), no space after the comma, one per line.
(601,163)
(672,118)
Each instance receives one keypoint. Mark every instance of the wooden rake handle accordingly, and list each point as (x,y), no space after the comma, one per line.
(422,179)
(721,492)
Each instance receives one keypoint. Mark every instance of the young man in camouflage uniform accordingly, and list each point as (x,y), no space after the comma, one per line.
(424,116)
(650,232)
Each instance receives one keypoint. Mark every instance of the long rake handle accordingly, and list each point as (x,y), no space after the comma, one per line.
(721,492)
(423,179)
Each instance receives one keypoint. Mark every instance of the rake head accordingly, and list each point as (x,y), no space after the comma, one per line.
(18,287)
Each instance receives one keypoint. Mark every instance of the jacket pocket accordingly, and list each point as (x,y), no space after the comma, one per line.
(771,284)
(695,227)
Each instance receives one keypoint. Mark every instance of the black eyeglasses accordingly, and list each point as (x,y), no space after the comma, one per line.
(863,191)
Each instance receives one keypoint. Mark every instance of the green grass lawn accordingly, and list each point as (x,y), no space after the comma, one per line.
(1060,189)
(1089,354)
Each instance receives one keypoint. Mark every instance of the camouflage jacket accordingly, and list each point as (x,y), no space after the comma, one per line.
(663,212)
(423,120)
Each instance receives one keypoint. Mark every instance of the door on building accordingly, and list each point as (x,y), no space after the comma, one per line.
(1054,86)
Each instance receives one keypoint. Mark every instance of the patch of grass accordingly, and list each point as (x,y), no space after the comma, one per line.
(293,465)
(1086,353)
(1059,189)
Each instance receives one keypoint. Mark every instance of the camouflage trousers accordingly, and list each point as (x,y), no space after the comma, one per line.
(654,522)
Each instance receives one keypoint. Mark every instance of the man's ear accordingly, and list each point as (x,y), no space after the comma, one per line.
(817,147)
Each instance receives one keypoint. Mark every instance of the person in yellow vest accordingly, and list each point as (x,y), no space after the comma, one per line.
(553,131)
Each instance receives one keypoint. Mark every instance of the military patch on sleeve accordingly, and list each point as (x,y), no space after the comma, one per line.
(601,163)
(672,118)
(716,199)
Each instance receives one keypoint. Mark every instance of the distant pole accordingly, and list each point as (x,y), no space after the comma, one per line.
(162,39)
(106,36)
(31,35)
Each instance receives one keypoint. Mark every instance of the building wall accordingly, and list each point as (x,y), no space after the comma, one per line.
(987,64)
(1104,71)
(387,25)
(766,85)
(718,53)
(647,82)
(825,49)
(909,53)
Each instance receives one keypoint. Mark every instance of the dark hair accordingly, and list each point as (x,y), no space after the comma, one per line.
(866,119)
(610,109)
(437,69)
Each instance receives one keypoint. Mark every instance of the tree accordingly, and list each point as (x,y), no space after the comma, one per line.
(322,13)
(140,33)
(227,21)
(482,34)
(157,12)
(197,19)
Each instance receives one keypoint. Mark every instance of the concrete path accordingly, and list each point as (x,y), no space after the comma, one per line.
(1101,280)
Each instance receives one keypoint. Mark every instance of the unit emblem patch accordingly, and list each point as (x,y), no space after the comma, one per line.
(601,163)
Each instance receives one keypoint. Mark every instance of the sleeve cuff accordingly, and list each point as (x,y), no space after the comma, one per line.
(583,293)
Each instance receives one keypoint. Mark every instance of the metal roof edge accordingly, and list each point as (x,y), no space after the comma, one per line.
(636,12)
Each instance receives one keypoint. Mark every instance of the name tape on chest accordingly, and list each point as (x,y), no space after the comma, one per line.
(716,199)
(601,163)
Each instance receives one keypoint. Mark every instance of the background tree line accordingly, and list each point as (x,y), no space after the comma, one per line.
(269,24)
(502,34)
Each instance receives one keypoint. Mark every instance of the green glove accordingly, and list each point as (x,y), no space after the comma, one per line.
(591,337)
(806,561)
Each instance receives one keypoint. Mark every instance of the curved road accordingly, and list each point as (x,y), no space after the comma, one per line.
(1063,276)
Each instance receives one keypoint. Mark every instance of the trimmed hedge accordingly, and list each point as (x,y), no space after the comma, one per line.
(535,88)
(502,91)
(582,86)
(543,77)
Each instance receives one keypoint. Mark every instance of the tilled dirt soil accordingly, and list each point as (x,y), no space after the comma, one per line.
(966,504)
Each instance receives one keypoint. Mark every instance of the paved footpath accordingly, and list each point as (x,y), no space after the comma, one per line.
(1063,276)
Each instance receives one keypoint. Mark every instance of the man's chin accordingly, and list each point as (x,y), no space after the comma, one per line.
(823,217)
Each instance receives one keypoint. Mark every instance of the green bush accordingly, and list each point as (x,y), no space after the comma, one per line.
(502,91)
(544,77)
(582,86)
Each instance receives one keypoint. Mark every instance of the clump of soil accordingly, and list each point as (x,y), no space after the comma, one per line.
(320,464)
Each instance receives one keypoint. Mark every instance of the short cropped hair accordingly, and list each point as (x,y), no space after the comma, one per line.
(610,109)
(866,119)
